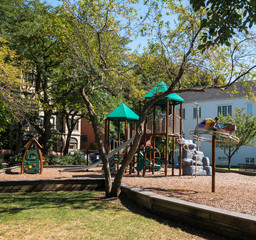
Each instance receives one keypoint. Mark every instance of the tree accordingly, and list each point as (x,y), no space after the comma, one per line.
(30,30)
(245,131)
(225,18)
(14,98)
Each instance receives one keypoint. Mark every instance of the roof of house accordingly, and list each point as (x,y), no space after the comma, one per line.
(162,87)
(122,112)
(213,94)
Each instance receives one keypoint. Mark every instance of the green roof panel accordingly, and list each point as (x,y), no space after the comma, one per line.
(160,88)
(122,112)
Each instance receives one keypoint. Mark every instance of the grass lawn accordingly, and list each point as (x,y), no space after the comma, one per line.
(81,215)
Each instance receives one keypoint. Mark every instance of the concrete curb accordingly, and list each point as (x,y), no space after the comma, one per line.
(226,223)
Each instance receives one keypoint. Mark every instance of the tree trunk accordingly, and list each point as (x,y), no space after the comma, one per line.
(18,143)
(229,158)
(65,151)
(116,187)
(101,148)
(47,132)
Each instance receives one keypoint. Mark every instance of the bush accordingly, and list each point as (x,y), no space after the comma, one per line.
(76,159)
(14,160)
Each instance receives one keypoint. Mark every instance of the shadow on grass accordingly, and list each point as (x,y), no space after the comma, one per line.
(15,203)
(135,208)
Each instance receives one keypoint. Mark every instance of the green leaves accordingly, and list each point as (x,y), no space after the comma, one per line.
(225,18)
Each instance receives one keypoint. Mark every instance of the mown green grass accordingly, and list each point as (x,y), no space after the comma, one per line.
(77,215)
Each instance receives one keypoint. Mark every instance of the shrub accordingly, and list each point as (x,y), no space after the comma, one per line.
(14,160)
(76,159)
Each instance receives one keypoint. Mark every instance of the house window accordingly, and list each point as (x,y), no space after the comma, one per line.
(183,113)
(225,110)
(195,112)
(76,125)
(73,143)
(52,122)
(249,160)
(41,121)
(84,138)
(222,160)
(249,108)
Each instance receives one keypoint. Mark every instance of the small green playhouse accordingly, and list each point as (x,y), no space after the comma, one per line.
(32,161)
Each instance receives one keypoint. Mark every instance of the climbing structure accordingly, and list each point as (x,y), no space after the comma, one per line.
(194,162)
(163,123)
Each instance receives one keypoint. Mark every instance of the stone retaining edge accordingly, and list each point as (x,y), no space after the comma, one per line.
(52,185)
(226,223)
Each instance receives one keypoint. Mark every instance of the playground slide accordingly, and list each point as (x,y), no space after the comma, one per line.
(140,166)
(97,162)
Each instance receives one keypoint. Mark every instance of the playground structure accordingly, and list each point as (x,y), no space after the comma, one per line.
(32,161)
(163,123)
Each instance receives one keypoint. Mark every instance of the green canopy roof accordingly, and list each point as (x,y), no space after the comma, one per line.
(160,88)
(122,112)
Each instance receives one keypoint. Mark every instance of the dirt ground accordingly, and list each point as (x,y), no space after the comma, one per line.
(234,191)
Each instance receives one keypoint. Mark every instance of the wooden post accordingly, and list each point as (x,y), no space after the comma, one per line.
(213,157)
(173,140)
(130,171)
(167,135)
(133,162)
(106,133)
(108,146)
(181,134)
(154,139)
(118,133)
(145,142)
(138,150)
(126,131)
(41,160)
(118,154)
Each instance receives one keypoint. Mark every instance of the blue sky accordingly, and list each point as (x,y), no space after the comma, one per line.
(52,2)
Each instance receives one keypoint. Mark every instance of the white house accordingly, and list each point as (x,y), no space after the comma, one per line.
(210,104)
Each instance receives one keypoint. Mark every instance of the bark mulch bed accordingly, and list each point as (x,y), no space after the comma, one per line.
(234,191)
